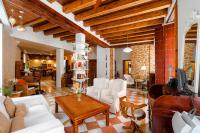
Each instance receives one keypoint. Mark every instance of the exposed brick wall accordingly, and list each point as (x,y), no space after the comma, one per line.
(139,58)
(112,63)
(188,57)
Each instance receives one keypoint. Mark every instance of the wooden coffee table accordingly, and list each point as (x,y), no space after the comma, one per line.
(81,110)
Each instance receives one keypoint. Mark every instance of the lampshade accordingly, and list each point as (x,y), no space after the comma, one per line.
(21,28)
(143,68)
(12,20)
(127,50)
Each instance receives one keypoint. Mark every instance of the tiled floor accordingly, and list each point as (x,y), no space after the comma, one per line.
(96,124)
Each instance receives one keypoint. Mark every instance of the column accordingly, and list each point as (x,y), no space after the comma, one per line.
(197,61)
(1,57)
(59,66)
(103,62)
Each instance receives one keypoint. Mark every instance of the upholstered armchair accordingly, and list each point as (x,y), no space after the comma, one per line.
(130,81)
(111,94)
(95,90)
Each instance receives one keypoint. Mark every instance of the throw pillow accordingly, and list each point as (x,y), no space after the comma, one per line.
(2,107)
(21,110)
(10,107)
(17,123)
(5,124)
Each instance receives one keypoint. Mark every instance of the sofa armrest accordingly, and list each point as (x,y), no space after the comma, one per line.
(43,127)
(31,100)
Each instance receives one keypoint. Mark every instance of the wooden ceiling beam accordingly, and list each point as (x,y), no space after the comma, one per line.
(132,44)
(146,8)
(78,5)
(67,37)
(109,8)
(43,27)
(131,26)
(133,31)
(62,34)
(38,8)
(35,21)
(131,20)
(131,35)
(149,37)
(54,31)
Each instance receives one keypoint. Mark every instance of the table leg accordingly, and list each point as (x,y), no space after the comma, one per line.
(56,108)
(75,127)
(107,117)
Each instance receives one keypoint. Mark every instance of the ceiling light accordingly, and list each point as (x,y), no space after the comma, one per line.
(21,27)
(11,19)
(127,50)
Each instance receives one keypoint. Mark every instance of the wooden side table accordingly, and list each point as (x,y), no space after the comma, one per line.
(16,94)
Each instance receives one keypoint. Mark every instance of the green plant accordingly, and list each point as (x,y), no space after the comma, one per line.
(7,91)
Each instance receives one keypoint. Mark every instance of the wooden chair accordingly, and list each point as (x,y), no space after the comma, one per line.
(132,111)
(23,86)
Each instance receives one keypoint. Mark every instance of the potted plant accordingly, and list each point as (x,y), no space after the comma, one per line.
(7,91)
(79,93)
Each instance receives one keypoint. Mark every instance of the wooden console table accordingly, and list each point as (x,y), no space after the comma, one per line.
(81,110)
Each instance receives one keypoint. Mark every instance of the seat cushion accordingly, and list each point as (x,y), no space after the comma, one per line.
(139,114)
(17,123)
(5,124)
(2,107)
(10,107)
(115,86)
(107,99)
(21,110)
(37,114)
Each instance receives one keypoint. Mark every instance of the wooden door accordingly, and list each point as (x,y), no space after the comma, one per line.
(92,73)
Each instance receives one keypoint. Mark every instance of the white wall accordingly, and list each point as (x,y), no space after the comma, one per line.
(102,53)
(185,9)
(119,57)
(11,53)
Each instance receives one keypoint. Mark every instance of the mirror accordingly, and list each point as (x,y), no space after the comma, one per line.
(190,54)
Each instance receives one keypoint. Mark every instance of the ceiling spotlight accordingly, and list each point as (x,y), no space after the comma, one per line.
(21,27)
(11,19)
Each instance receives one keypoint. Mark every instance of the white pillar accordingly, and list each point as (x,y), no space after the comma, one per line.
(80,38)
(59,66)
(1,57)
(103,62)
(197,61)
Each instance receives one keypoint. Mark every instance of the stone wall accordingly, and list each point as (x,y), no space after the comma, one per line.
(140,57)
(188,57)
(112,63)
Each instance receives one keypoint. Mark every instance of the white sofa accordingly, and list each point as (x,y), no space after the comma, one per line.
(109,92)
(39,118)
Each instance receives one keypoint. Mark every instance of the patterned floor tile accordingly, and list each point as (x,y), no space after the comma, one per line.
(92,125)
(109,129)
(114,120)
(91,119)
(98,130)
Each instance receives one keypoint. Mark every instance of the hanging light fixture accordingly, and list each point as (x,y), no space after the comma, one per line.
(21,26)
(127,49)
(11,19)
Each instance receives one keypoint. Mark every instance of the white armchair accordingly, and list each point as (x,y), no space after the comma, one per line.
(116,89)
(129,79)
(95,90)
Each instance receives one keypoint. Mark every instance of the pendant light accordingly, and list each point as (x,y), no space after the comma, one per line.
(21,26)
(127,49)
(11,19)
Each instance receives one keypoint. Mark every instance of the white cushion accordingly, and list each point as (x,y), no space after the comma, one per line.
(193,122)
(179,125)
(115,86)
(100,83)
(2,107)
(107,99)
(37,114)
